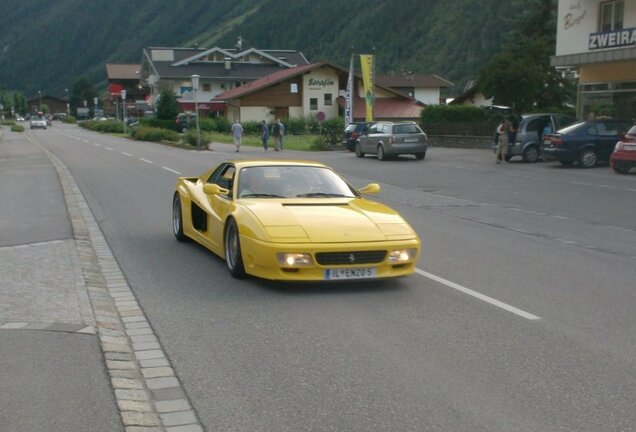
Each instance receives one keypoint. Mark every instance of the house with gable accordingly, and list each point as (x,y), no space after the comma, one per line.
(219,70)
(425,88)
(312,90)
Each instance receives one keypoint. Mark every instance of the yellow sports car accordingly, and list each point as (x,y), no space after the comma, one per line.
(295,221)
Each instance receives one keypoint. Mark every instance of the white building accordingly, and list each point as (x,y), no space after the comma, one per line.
(596,40)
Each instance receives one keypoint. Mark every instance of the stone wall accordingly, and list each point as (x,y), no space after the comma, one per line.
(460,141)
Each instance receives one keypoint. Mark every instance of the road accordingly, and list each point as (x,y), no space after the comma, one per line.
(520,318)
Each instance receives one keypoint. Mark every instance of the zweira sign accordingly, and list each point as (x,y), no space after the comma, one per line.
(613,39)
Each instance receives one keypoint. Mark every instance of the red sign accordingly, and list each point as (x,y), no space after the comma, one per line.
(115,89)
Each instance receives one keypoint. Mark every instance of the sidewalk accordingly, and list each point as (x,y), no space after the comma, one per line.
(77,351)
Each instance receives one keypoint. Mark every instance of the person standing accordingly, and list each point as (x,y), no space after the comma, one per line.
(237,134)
(502,148)
(264,134)
(278,131)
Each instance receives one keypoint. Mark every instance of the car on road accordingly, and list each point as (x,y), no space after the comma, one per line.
(37,121)
(19,118)
(584,143)
(292,221)
(527,142)
(352,132)
(623,158)
(386,139)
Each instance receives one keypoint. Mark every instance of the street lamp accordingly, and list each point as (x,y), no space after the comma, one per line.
(94,107)
(195,87)
(39,100)
(123,102)
(68,105)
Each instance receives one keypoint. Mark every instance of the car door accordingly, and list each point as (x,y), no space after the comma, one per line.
(219,205)
(366,141)
(608,133)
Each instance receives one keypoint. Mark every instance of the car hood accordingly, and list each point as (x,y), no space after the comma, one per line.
(329,220)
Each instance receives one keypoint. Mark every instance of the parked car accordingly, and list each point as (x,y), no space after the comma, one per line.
(530,131)
(386,139)
(623,158)
(352,132)
(584,143)
(37,121)
(19,118)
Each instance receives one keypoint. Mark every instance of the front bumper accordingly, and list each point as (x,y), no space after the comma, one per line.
(260,260)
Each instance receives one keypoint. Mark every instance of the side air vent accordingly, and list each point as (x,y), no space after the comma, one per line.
(199,218)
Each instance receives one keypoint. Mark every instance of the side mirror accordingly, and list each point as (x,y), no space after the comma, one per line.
(214,189)
(371,188)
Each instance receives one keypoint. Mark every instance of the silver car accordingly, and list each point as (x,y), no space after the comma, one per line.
(386,139)
(37,121)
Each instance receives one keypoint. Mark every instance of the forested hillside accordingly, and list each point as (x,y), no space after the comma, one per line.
(48,45)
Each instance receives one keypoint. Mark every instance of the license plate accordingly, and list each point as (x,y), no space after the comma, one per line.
(411,140)
(350,273)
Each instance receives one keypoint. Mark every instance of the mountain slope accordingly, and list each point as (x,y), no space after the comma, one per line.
(47,45)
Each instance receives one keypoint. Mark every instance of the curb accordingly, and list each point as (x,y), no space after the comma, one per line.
(148,393)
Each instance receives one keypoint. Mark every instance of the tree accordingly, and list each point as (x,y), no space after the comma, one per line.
(521,75)
(81,91)
(167,105)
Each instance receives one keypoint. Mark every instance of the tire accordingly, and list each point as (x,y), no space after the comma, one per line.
(380,153)
(358,150)
(233,257)
(507,158)
(531,154)
(177,218)
(588,158)
(620,168)
(420,156)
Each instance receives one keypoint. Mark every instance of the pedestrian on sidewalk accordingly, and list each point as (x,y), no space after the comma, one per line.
(278,132)
(264,134)
(237,133)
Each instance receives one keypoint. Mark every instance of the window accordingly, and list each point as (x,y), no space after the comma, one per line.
(206,87)
(328,99)
(611,16)
(223,176)
(313,104)
(293,88)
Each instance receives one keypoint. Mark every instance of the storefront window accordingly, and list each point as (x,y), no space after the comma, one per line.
(618,104)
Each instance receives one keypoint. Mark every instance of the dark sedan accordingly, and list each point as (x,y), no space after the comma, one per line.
(584,143)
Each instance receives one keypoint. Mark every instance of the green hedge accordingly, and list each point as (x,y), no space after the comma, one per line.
(69,119)
(107,126)
(17,128)
(146,133)
(157,123)
(8,122)
(453,113)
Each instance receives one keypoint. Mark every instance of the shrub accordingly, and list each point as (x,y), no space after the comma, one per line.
(108,126)
(69,119)
(295,126)
(215,124)
(8,122)
(156,123)
(145,133)
(252,128)
(320,143)
(17,128)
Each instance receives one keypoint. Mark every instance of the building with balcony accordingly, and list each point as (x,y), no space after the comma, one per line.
(596,42)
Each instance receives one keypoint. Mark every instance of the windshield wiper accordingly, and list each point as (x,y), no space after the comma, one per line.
(322,195)
(261,195)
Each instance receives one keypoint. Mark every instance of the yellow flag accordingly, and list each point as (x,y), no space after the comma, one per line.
(368,73)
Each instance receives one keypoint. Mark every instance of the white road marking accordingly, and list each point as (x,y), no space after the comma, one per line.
(171,170)
(126,154)
(85,141)
(146,160)
(109,148)
(97,145)
(603,186)
(479,296)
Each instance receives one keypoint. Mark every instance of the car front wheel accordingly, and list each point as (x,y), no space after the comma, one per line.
(177,218)
(588,158)
(358,150)
(420,156)
(233,257)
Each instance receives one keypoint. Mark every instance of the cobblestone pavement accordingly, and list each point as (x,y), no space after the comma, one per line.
(77,286)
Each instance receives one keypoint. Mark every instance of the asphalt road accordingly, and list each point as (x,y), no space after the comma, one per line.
(521,317)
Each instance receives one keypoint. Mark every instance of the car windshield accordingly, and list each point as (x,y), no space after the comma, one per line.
(351,127)
(632,131)
(406,129)
(279,181)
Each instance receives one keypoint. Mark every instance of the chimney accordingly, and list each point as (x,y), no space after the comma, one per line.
(228,63)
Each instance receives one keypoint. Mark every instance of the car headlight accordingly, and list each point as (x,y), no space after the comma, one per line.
(294,259)
(401,255)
